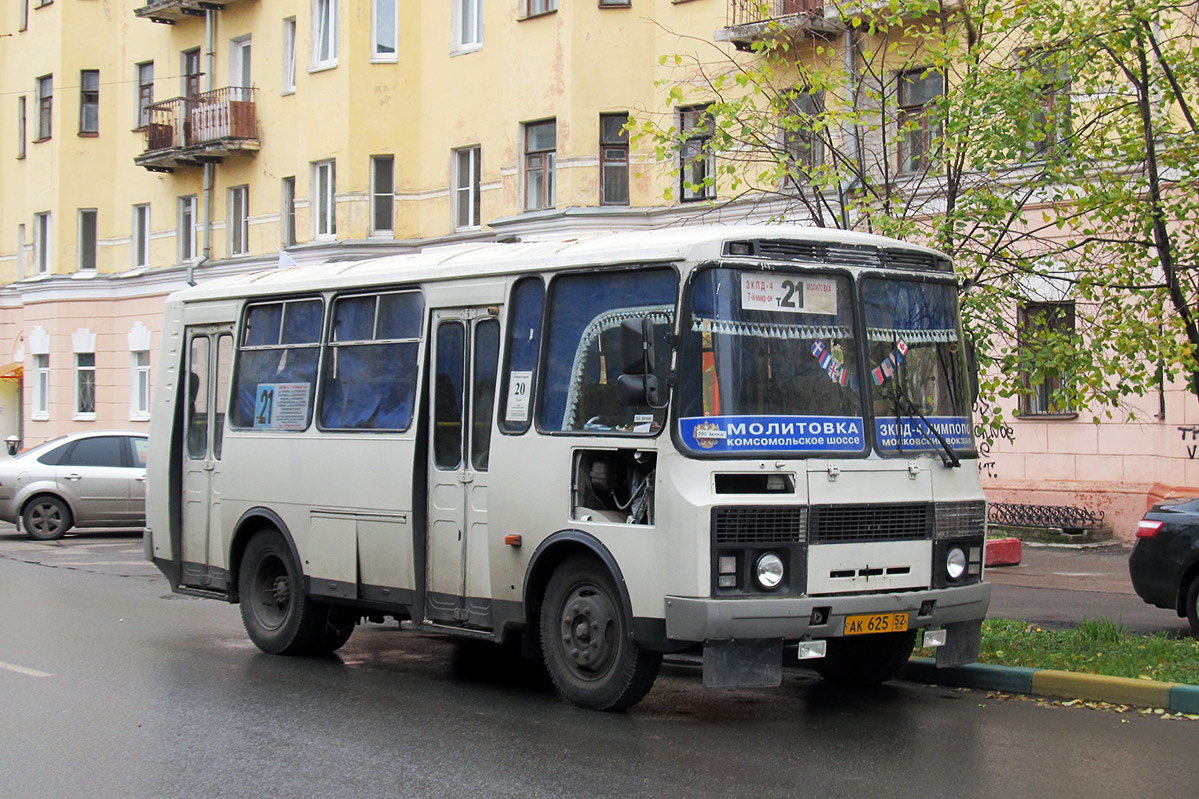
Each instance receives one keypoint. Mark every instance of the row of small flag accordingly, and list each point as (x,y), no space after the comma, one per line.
(839,374)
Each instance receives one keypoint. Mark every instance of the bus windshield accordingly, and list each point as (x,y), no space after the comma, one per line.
(917,367)
(769,363)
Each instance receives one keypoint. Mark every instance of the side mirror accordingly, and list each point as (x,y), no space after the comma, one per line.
(637,383)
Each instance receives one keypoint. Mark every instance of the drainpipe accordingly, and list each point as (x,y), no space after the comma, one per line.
(209,170)
(852,134)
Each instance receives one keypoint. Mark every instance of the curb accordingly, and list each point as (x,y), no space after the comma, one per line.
(1174,697)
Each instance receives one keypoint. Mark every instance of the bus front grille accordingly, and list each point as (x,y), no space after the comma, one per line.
(759,525)
(844,524)
(961,519)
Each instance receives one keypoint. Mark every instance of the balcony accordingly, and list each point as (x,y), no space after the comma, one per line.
(754,20)
(169,12)
(204,128)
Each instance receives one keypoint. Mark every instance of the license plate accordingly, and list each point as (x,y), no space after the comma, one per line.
(876,623)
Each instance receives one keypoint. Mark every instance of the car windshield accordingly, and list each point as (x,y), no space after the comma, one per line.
(769,363)
(917,367)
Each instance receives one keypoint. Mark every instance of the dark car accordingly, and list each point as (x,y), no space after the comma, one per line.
(1164,563)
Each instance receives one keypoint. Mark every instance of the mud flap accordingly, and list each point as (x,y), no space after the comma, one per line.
(962,641)
(743,664)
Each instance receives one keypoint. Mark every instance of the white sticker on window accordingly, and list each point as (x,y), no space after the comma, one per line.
(282,406)
(788,293)
(519,386)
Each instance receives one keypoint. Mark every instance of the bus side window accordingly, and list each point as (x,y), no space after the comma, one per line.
(524,344)
(197,399)
(275,380)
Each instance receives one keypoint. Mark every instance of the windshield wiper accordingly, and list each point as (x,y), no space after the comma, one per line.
(905,406)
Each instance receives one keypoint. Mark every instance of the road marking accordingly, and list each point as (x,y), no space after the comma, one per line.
(23,670)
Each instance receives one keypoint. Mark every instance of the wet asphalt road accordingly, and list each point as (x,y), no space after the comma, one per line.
(110,686)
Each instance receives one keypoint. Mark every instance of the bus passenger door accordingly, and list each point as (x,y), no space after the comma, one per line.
(461,402)
(208,365)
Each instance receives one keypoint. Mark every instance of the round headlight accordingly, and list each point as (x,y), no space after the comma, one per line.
(955,563)
(768,571)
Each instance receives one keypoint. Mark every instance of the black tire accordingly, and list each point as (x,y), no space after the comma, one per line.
(46,518)
(1193,606)
(587,641)
(278,616)
(866,660)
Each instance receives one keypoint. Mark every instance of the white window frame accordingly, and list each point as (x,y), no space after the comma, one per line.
(324,199)
(22,126)
(140,380)
(142,102)
(466,186)
(139,242)
(45,107)
(288,81)
(537,8)
(467,37)
(42,243)
(324,35)
(241,60)
(288,234)
(238,226)
(186,237)
(547,160)
(381,193)
(41,387)
(380,55)
(82,246)
(82,415)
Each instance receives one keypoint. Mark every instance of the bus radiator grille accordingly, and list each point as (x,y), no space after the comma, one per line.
(844,524)
(759,525)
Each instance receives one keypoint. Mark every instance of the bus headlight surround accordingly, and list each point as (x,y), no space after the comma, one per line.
(769,571)
(955,563)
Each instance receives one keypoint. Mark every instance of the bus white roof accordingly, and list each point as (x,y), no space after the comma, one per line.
(480,259)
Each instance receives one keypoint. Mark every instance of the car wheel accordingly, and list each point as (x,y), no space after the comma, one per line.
(1193,606)
(866,660)
(278,616)
(46,518)
(587,642)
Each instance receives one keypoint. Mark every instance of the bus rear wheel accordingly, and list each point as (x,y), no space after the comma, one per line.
(866,660)
(587,641)
(278,616)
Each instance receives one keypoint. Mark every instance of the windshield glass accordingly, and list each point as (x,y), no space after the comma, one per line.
(769,363)
(917,366)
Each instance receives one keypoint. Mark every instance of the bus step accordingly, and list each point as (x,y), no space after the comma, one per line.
(447,629)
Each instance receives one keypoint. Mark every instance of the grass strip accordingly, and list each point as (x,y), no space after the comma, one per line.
(1099,646)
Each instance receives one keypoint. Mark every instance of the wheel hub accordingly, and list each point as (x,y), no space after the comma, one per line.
(588,629)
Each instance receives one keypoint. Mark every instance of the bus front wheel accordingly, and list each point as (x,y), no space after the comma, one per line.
(587,640)
(865,660)
(279,617)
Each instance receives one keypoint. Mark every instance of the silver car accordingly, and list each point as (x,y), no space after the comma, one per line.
(94,479)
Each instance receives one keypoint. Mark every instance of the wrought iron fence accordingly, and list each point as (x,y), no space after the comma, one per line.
(743,12)
(213,116)
(1066,517)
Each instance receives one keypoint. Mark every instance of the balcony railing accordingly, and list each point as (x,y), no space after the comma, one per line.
(190,131)
(754,20)
(170,11)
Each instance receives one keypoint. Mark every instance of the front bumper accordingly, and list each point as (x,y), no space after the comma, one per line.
(790,618)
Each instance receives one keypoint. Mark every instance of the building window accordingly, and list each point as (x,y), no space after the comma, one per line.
(541,141)
(382,193)
(139,385)
(615,3)
(697,165)
(919,90)
(239,220)
(802,144)
(1050,116)
(41,242)
(324,34)
(140,243)
(466,188)
(1046,330)
(45,107)
(468,24)
(89,101)
(288,215)
(191,72)
(85,384)
(240,62)
(145,93)
(41,386)
(384,33)
(289,55)
(534,7)
(185,228)
(87,239)
(324,199)
(22,124)
(23,23)
(614,159)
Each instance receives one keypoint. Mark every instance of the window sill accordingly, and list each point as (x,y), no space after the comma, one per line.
(42,139)
(465,49)
(537,15)
(88,134)
(322,67)
(388,58)
(84,417)
(139,417)
(1045,417)
(288,92)
(40,417)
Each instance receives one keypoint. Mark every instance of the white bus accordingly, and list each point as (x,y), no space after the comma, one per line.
(750,442)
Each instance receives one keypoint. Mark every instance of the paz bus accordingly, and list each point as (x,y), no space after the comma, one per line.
(751,443)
